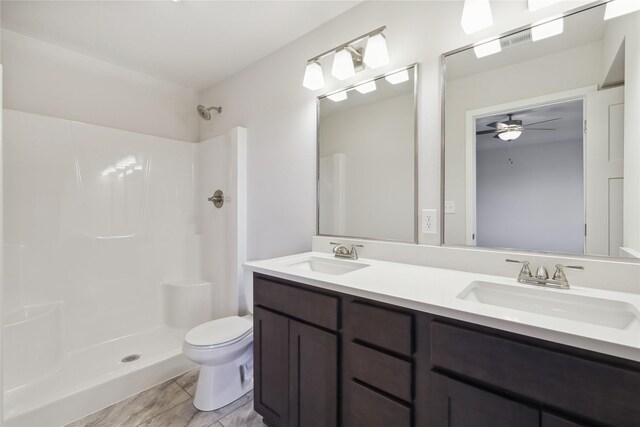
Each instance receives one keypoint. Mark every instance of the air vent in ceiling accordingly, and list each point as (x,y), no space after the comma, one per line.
(515,39)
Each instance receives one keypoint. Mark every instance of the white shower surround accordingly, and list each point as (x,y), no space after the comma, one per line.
(99,260)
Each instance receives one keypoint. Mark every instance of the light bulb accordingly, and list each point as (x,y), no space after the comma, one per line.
(476,16)
(313,77)
(342,65)
(376,54)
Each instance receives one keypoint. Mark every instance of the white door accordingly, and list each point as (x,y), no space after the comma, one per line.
(604,173)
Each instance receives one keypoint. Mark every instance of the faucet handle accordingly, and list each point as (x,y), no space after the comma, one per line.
(559,274)
(525,271)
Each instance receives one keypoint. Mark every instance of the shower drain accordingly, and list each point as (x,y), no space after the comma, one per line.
(130,358)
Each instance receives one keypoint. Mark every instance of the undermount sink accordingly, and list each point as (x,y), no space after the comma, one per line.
(327,266)
(596,311)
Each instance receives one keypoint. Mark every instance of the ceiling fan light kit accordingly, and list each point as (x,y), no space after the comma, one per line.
(511,129)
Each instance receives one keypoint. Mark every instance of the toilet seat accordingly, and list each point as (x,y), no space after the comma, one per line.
(219,332)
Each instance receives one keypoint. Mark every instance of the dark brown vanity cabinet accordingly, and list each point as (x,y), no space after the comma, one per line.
(295,355)
(329,359)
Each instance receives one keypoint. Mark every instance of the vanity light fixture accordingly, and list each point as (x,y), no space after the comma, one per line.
(343,66)
(476,16)
(349,58)
(376,54)
(366,87)
(313,77)
(487,48)
(617,8)
(540,4)
(549,28)
(399,77)
(338,96)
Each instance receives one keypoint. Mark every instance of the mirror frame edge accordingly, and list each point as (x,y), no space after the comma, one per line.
(443,84)
(416,177)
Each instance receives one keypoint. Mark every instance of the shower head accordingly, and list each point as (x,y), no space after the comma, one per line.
(205,111)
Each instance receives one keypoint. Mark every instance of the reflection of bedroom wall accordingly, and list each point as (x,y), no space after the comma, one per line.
(535,203)
(564,70)
(378,144)
(627,29)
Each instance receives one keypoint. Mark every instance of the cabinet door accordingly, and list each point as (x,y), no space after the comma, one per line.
(456,404)
(271,358)
(313,355)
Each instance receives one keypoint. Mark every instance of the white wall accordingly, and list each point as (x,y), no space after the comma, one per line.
(573,68)
(378,144)
(534,203)
(46,79)
(269,100)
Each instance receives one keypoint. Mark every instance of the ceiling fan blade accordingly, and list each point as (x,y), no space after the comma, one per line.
(493,125)
(543,121)
(484,132)
(528,129)
(497,136)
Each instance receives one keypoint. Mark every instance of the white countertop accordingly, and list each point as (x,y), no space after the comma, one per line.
(435,290)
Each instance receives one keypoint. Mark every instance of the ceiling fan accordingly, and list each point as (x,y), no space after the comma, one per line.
(511,129)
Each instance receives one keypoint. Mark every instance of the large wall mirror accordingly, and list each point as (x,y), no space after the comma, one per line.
(366,159)
(542,138)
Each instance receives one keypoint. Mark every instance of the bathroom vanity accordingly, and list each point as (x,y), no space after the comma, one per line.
(328,352)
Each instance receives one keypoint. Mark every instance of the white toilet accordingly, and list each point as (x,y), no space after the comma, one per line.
(224,349)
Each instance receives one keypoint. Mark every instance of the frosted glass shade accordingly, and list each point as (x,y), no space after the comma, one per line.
(399,77)
(366,87)
(548,29)
(510,135)
(488,48)
(342,65)
(338,96)
(376,54)
(313,78)
(476,16)
(617,8)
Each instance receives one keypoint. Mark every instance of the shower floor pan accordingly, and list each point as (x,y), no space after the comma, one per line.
(92,378)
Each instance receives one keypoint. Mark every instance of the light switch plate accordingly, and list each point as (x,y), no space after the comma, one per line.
(430,221)
(449,206)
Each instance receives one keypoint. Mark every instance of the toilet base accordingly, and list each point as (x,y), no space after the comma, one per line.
(220,385)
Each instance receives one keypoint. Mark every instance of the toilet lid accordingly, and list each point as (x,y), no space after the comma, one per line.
(218,331)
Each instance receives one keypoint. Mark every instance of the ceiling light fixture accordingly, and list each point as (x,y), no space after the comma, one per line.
(510,135)
(349,58)
(399,77)
(617,8)
(540,4)
(313,77)
(483,49)
(338,96)
(476,16)
(366,87)
(547,29)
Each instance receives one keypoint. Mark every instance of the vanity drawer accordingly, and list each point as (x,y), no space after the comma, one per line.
(389,329)
(367,408)
(380,370)
(313,307)
(595,390)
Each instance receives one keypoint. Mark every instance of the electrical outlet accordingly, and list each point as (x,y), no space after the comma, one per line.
(449,207)
(430,221)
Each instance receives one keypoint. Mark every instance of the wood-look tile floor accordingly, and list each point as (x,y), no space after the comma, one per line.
(170,404)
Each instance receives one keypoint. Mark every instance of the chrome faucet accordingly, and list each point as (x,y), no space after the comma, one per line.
(541,278)
(341,251)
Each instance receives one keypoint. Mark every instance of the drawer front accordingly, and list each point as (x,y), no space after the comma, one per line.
(313,307)
(389,329)
(604,393)
(380,370)
(367,408)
